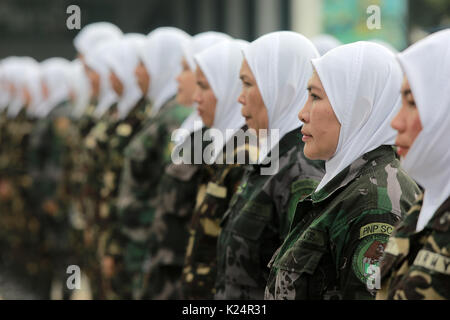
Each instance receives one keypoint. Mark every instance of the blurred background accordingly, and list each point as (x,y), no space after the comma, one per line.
(38,28)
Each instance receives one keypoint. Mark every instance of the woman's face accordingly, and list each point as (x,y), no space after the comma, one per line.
(94,79)
(205,98)
(186,85)
(253,108)
(407,121)
(321,127)
(143,78)
(27,96)
(116,83)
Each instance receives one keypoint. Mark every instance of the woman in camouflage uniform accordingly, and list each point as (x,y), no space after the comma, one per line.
(214,194)
(339,232)
(274,72)
(416,262)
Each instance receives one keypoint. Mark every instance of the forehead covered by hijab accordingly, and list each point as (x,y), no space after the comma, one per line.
(200,42)
(95,34)
(161,55)
(426,65)
(280,63)
(123,60)
(223,78)
(362,81)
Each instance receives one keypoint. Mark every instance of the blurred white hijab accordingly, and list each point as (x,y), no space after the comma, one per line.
(54,75)
(23,73)
(197,44)
(224,80)
(325,42)
(96,60)
(80,86)
(281,64)
(95,34)
(426,64)
(362,81)
(161,55)
(123,60)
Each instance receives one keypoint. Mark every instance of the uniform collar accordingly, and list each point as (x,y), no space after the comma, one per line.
(381,155)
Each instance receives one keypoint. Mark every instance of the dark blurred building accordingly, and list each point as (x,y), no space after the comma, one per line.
(38,27)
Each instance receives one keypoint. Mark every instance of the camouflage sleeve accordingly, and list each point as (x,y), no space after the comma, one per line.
(359,258)
(419,265)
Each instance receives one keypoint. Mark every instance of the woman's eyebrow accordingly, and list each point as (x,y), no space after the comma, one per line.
(311,87)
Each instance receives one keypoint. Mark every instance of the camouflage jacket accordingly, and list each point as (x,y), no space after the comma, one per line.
(252,227)
(213,198)
(339,233)
(146,156)
(169,233)
(416,265)
(122,133)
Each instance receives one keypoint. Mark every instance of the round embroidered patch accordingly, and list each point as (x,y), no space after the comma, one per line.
(367,256)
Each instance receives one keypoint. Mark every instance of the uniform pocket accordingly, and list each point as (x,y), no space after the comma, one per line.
(300,260)
(248,226)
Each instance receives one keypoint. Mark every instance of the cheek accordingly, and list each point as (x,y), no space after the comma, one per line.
(416,127)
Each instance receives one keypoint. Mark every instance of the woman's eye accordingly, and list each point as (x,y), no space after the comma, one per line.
(411,103)
(246,84)
(314,97)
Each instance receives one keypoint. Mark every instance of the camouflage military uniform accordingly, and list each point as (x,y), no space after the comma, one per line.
(339,233)
(19,225)
(146,156)
(213,198)
(252,228)
(89,166)
(416,265)
(169,233)
(109,235)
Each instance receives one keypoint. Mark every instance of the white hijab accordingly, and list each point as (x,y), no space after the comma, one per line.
(224,80)
(161,55)
(80,86)
(33,84)
(22,71)
(325,42)
(54,74)
(95,34)
(123,60)
(281,64)
(197,44)
(362,81)
(97,61)
(427,67)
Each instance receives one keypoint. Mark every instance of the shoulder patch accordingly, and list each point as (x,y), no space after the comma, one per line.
(433,261)
(367,256)
(375,228)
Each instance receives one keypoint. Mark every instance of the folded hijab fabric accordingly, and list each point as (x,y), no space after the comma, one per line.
(123,60)
(426,64)
(161,55)
(95,34)
(362,81)
(223,78)
(281,64)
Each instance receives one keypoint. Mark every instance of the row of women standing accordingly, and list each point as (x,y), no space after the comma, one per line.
(339,217)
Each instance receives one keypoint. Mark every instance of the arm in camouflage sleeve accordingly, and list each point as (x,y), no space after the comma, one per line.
(359,258)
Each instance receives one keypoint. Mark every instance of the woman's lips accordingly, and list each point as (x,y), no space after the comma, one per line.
(306,136)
